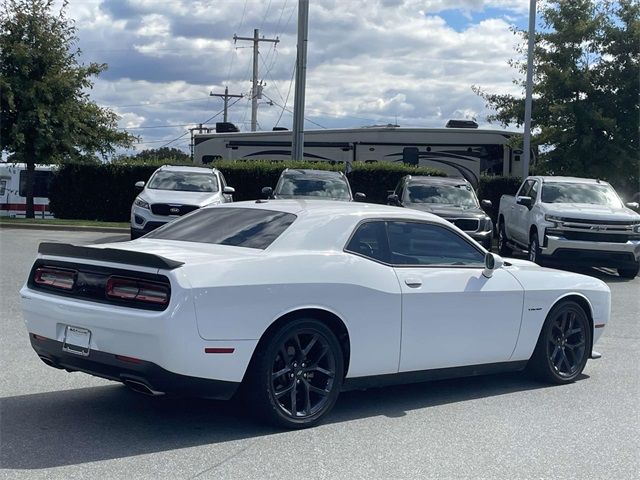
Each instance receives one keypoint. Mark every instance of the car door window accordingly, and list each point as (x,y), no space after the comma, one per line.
(524,190)
(370,240)
(414,243)
(533,193)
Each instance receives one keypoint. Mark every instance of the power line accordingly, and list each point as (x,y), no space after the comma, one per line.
(157,126)
(158,103)
(285,108)
(293,72)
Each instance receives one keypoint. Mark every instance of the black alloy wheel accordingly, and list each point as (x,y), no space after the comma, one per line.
(299,374)
(564,344)
(503,247)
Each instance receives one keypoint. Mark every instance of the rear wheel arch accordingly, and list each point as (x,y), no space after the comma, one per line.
(330,319)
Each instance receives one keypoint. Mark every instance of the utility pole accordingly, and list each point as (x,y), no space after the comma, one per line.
(297,150)
(529,90)
(225,98)
(256,90)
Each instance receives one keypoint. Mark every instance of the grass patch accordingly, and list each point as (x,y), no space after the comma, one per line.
(59,221)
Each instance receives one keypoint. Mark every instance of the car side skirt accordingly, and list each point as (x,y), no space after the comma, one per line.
(418,376)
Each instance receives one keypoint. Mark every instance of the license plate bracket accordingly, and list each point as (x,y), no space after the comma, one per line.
(77,340)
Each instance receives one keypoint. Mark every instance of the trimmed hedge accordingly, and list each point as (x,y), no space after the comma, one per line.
(105,192)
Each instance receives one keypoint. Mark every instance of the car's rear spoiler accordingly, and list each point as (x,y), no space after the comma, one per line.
(113,255)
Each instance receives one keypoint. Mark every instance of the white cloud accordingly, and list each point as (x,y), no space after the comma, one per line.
(368,61)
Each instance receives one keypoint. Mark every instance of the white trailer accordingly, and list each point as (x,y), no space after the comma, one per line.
(463,152)
(13,182)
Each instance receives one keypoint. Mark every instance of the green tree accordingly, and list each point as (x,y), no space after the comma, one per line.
(158,156)
(46,113)
(586,111)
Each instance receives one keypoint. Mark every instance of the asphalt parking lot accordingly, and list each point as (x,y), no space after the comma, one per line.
(59,425)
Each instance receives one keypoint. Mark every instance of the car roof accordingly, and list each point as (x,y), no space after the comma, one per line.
(307,172)
(323,208)
(424,179)
(326,225)
(546,179)
(186,168)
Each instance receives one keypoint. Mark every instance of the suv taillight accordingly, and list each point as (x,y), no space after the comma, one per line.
(131,289)
(56,278)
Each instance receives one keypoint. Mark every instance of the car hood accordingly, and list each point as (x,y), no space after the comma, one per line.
(180,198)
(591,212)
(448,211)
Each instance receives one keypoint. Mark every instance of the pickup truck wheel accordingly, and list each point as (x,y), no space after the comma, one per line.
(564,344)
(629,272)
(534,249)
(503,248)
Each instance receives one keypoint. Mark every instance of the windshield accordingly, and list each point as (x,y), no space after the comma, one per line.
(458,195)
(184,181)
(320,188)
(591,193)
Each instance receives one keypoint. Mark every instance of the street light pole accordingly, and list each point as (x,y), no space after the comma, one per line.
(297,147)
(529,90)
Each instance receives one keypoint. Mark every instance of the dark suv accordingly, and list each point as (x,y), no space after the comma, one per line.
(450,198)
(312,184)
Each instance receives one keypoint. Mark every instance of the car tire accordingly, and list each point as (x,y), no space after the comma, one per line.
(564,344)
(296,375)
(503,248)
(534,249)
(629,272)
(135,234)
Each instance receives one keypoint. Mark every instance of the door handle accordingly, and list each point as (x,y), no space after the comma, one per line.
(413,282)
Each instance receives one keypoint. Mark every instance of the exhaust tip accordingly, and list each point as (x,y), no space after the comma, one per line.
(49,362)
(141,387)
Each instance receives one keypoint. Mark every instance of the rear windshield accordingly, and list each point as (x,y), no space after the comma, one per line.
(239,227)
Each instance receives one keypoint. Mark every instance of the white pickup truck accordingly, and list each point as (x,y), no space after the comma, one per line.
(571,220)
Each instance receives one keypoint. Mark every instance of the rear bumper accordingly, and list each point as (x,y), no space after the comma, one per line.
(123,369)
(602,254)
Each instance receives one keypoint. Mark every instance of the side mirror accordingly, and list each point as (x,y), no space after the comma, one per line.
(633,205)
(491,262)
(359,197)
(526,201)
(267,192)
(139,185)
(393,200)
(228,190)
(486,204)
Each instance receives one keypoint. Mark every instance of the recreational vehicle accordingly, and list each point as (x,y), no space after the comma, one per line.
(464,152)
(13,186)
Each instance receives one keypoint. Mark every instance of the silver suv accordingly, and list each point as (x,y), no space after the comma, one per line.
(173,191)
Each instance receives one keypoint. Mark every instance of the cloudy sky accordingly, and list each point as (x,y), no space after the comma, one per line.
(410,62)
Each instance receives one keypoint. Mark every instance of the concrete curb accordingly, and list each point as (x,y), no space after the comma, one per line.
(67,228)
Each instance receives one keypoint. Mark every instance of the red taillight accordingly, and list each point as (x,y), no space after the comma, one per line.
(137,290)
(53,277)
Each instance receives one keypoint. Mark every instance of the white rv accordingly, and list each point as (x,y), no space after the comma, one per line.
(13,199)
(463,152)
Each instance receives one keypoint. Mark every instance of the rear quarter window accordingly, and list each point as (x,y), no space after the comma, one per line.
(238,227)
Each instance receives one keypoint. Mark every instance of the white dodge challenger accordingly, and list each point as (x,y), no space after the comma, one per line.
(288,302)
